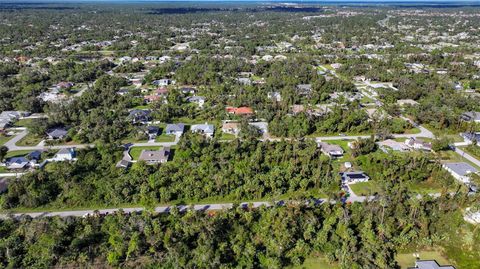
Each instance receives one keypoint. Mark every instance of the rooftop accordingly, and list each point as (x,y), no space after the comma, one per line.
(461,168)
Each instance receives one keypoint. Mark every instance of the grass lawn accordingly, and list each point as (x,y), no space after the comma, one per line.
(365,188)
(17,153)
(428,186)
(451,156)
(133,140)
(142,107)
(165,138)
(319,262)
(402,139)
(412,131)
(135,151)
(23,122)
(4,139)
(473,150)
(29,140)
(406,260)
(372,186)
(226,136)
(347,155)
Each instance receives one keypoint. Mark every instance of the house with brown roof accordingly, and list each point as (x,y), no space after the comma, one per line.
(231,128)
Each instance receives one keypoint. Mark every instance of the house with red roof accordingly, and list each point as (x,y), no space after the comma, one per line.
(243,110)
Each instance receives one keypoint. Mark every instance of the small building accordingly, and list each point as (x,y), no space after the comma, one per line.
(155,156)
(403,102)
(354,177)
(460,171)
(244,81)
(65,154)
(274,96)
(65,85)
(472,217)
(304,89)
(34,155)
(471,116)
(471,137)
(261,125)
(175,129)
(243,110)
(416,143)
(188,90)
(18,163)
(152,131)
(139,116)
(163,82)
(205,129)
(198,100)
(57,133)
(7,117)
(334,151)
(393,145)
(430,264)
(231,128)
(123,164)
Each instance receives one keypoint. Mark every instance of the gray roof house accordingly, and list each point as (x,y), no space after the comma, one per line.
(460,171)
(430,264)
(155,156)
(139,116)
(205,129)
(334,151)
(471,116)
(7,117)
(471,137)
(199,100)
(17,163)
(175,129)
(57,133)
(123,164)
(304,89)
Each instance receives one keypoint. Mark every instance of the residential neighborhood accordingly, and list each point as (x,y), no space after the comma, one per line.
(234,134)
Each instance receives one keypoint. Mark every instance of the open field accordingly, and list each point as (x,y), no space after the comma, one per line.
(406,260)
(319,262)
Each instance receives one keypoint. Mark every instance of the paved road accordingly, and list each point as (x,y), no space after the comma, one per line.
(467,156)
(159,209)
(11,144)
(166,209)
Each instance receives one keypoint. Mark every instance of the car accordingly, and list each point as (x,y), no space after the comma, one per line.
(473,188)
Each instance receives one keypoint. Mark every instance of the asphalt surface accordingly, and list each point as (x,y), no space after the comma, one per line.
(467,156)
(167,209)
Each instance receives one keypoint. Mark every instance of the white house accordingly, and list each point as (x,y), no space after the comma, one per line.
(66,154)
(175,129)
(199,100)
(460,171)
(205,129)
(354,177)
